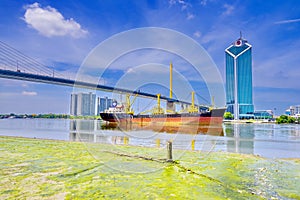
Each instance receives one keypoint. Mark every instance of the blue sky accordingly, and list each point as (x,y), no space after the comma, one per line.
(61,34)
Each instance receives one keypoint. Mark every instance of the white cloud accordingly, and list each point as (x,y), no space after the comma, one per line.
(203,2)
(172,2)
(197,34)
(228,9)
(288,21)
(206,2)
(185,7)
(49,22)
(26,93)
(190,16)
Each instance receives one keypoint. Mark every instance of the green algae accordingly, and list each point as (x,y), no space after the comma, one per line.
(46,169)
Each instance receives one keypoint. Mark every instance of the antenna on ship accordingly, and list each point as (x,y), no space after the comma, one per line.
(241,35)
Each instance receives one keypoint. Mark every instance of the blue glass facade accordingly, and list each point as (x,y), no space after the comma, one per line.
(239,98)
(103,104)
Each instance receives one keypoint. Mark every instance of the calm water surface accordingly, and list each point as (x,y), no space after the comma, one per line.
(267,140)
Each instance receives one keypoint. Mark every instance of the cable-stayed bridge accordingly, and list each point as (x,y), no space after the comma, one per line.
(16,65)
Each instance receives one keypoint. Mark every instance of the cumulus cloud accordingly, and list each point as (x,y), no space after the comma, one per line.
(27,93)
(50,22)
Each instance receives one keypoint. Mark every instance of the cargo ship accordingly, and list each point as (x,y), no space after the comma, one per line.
(205,117)
(193,115)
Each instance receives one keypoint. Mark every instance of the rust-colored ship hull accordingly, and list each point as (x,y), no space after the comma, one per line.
(184,122)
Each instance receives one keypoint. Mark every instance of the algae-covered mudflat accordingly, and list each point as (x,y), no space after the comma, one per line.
(48,169)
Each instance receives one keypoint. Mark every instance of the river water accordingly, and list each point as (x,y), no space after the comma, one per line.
(266,140)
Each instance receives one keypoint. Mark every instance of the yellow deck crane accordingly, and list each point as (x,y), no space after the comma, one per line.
(128,108)
(192,108)
(157,110)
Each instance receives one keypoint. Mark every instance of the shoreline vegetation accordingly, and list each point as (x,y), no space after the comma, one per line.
(228,118)
(282,119)
(50,169)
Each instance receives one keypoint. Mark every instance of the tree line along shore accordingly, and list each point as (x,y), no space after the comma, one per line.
(282,119)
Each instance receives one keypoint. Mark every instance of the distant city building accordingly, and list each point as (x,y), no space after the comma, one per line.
(294,111)
(263,114)
(239,98)
(103,104)
(287,112)
(83,104)
(73,106)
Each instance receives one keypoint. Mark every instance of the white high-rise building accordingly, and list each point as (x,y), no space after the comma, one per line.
(294,110)
(83,104)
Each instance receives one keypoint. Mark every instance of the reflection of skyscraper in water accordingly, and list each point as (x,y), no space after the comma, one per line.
(240,138)
(84,130)
(239,79)
(83,104)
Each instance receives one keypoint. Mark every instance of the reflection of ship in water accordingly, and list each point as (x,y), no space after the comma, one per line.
(169,128)
(96,131)
(91,126)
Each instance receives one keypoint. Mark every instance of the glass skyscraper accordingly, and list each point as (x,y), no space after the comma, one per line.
(239,99)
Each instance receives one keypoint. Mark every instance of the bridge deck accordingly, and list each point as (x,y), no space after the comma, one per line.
(73,83)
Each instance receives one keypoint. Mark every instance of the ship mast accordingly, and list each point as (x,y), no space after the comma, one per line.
(192,108)
(158,110)
(171,70)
